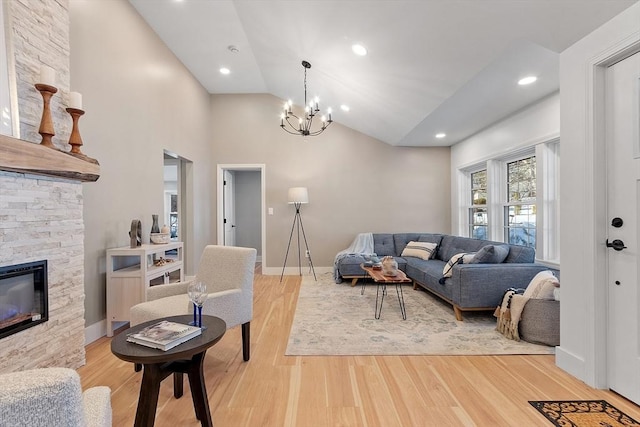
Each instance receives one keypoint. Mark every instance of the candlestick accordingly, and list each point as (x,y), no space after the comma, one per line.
(74,139)
(46,124)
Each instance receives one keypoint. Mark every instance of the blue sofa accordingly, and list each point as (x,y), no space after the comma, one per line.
(471,287)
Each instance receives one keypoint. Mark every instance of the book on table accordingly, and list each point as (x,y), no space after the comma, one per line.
(164,335)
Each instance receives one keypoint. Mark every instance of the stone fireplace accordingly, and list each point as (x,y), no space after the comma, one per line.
(41,217)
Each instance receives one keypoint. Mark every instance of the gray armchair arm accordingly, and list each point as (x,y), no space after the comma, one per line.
(171,289)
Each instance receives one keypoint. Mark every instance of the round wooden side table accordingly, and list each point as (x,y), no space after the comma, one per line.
(187,357)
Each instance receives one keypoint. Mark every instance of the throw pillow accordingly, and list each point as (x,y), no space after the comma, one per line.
(542,286)
(422,250)
(491,254)
(461,258)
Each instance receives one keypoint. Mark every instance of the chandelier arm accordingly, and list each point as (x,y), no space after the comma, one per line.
(288,131)
(296,128)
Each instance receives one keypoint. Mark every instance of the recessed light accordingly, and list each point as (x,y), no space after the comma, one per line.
(527,80)
(359,50)
(345,107)
(440,135)
(224,71)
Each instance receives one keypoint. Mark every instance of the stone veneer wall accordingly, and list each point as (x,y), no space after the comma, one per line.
(41,218)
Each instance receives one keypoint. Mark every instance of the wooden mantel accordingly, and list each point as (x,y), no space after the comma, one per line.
(17,155)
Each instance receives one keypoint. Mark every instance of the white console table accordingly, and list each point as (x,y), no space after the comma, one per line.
(130,271)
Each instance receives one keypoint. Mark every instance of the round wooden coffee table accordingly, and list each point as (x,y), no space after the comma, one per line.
(187,357)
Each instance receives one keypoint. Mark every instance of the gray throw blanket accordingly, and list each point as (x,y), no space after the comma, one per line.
(362,245)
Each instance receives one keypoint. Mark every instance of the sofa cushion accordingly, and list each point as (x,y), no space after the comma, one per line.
(383,244)
(461,258)
(521,254)
(452,245)
(491,254)
(428,273)
(349,266)
(422,250)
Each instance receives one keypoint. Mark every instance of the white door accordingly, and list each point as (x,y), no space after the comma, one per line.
(623,196)
(229,210)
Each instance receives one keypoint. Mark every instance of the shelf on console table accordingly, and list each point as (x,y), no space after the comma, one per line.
(17,155)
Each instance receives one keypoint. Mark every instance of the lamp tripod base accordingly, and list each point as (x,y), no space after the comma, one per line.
(297,226)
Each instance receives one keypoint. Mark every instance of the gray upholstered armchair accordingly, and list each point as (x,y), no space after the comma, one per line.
(52,397)
(228,273)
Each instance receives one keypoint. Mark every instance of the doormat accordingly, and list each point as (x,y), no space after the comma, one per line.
(583,413)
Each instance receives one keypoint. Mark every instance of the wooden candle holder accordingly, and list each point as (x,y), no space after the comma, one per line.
(75,141)
(46,124)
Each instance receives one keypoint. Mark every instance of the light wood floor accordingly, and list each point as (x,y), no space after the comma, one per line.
(276,390)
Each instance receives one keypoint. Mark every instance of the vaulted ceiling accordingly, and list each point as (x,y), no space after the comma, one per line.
(433,66)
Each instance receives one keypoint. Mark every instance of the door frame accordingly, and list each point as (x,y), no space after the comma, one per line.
(595,359)
(261,167)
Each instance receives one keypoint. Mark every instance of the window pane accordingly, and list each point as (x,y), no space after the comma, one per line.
(521,180)
(479,197)
(478,218)
(479,232)
(520,221)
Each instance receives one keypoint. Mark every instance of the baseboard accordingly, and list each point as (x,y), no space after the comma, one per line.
(294,271)
(98,330)
(95,331)
(259,258)
(570,363)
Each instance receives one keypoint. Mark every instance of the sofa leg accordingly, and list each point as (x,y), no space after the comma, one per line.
(457,312)
(354,281)
(246,340)
(415,285)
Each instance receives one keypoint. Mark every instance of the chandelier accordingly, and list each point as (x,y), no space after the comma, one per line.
(295,125)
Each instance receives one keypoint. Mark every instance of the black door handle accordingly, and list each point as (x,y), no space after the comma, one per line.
(617,245)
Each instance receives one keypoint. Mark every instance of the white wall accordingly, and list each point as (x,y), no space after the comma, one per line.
(139,101)
(535,124)
(582,190)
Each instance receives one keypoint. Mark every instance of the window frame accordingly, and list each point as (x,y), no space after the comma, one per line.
(547,153)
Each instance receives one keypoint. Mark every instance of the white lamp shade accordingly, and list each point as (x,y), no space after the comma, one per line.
(298,195)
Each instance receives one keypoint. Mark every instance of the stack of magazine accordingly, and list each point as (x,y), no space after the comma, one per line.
(164,335)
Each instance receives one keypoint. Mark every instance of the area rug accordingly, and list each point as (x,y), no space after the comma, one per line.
(337,319)
(583,413)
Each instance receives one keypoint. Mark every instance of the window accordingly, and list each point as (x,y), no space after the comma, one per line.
(478,220)
(520,209)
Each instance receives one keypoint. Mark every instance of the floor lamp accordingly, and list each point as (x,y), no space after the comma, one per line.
(298,196)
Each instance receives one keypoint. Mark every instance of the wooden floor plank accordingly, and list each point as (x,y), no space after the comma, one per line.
(277,390)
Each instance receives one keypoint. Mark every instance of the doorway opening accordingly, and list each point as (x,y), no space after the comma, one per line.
(177,200)
(241,207)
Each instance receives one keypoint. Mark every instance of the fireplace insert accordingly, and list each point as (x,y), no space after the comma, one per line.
(23,296)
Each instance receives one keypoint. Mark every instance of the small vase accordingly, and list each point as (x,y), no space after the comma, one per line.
(154,226)
(389,266)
